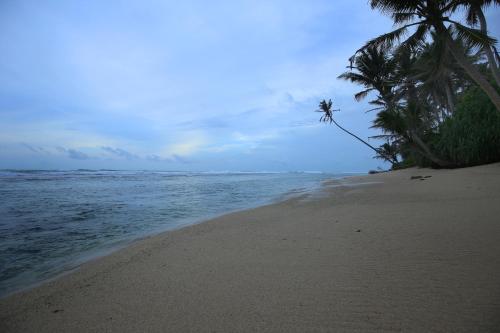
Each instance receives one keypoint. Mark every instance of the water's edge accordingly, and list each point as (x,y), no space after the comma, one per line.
(74,265)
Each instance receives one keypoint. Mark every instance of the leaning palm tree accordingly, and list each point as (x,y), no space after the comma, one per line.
(327,117)
(432,15)
(390,75)
(407,125)
(475,16)
(409,118)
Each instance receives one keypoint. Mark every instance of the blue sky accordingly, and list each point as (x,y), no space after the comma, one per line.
(182,85)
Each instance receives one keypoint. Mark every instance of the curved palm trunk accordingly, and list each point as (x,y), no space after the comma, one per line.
(487,50)
(415,138)
(471,69)
(426,151)
(388,158)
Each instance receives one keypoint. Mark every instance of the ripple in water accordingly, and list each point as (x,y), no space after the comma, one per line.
(52,221)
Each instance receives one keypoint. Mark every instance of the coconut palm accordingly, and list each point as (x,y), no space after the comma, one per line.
(327,109)
(432,15)
(389,148)
(407,125)
(390,75)
(440,75)
(372,68)
(475,16)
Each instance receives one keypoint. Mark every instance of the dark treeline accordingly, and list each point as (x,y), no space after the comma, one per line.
(435,79)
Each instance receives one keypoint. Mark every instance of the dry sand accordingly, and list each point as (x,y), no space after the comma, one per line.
(394,254)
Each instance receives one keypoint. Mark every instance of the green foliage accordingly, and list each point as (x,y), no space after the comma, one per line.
(472,135)
(435,101)
(405,163)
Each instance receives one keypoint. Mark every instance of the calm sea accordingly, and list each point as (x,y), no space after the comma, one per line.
(52,221)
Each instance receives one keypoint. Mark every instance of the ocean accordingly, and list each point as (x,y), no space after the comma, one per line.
(52,221)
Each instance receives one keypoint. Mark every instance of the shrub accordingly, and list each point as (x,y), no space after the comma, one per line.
(472,135)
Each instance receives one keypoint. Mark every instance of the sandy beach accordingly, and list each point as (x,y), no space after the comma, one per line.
(383,252)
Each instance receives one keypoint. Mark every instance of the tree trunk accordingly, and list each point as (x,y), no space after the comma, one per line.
(427,151)
(388,158)
(488,50)
(470,68)
(441,112)
(449,98)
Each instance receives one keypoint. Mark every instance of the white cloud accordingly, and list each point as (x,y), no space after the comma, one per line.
(52,133)
(236,76)
(187,144)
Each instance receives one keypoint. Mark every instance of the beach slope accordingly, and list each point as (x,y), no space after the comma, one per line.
(383,252)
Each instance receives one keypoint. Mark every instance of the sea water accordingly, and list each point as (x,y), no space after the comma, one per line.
(52,221)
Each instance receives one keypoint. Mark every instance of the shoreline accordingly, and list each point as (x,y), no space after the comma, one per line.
(109,249)
(336,262)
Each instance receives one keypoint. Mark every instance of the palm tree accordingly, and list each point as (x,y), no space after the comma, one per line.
(327,110)
(431,15)
(407,125)
(373,68)
(391,76)
(439,74)
(475,16)
(416,112)
(389,148)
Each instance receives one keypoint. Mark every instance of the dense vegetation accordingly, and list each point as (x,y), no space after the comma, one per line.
(435,81)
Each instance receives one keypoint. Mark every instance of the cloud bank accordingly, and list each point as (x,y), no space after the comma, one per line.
(199,85)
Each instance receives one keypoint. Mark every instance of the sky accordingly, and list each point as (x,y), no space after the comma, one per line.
(183,85)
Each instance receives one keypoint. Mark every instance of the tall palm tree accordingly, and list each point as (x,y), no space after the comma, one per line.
(432,15)
(406,126)
(390,75)
(475,16)
(415,113)
(409,117)
(439,74)
(372,68)
(327,110)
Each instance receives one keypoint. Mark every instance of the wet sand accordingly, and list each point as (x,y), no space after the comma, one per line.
(392,254)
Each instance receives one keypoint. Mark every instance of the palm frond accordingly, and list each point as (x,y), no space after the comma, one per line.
(389,39)
(362,94)
(471,17)
(474,37)
(354,78)
(391,6)
(400,18)
(416,38)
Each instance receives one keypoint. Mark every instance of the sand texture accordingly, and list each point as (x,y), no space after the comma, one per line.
(394,254)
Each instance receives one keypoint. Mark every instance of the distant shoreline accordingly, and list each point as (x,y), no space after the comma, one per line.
(413,249)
